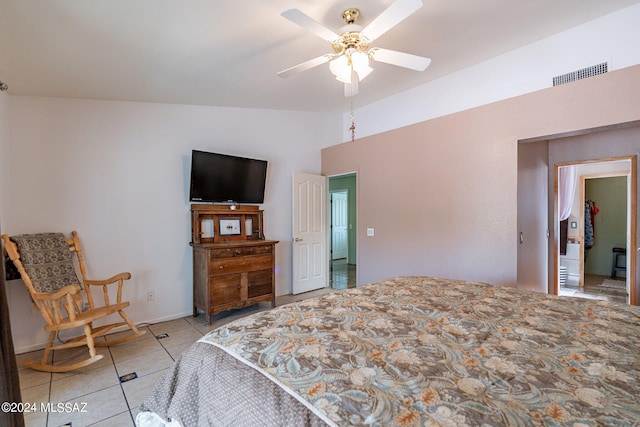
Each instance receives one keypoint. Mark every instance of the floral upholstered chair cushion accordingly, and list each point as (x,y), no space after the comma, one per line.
(47,260)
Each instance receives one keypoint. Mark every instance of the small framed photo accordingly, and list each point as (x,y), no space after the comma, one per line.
(230,227)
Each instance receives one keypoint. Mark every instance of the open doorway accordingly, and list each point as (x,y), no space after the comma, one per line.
(537,217)
(594,218)
(342,231)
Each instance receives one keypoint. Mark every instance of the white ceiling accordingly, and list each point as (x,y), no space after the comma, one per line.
(227,53)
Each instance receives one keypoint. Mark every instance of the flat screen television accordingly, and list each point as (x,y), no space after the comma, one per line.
(223,178)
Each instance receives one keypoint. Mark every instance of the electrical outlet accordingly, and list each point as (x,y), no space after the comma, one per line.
(151,296)
(370,232)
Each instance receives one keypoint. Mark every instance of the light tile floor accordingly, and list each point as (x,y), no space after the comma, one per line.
(343,275)
(593,289)
(95,394)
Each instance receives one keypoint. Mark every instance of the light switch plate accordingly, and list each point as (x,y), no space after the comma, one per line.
(370,232)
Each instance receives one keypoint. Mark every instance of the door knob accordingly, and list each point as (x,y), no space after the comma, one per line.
(297,239)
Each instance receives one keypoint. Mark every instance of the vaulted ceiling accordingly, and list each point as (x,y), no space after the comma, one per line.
(227,53)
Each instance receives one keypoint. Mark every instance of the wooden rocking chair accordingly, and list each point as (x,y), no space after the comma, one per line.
(45,263)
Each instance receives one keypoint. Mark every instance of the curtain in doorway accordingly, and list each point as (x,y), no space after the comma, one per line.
(567,182)
(9,382)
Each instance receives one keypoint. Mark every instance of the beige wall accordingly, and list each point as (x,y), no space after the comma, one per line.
(441,194)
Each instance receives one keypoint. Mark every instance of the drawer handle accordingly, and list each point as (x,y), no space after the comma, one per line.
(238,287)
(221,267)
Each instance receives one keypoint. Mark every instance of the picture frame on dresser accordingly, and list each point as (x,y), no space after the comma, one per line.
(229,226)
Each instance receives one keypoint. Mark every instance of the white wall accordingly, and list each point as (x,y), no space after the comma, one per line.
(613,38)
(118,173)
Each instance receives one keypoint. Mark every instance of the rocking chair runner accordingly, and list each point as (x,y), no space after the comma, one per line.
(45,263)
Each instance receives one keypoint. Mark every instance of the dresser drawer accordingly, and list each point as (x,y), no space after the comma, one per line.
(240,264)
(261,250)
(238,252)
(226,253)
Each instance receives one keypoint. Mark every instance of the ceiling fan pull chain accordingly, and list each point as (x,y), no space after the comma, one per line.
(352,128)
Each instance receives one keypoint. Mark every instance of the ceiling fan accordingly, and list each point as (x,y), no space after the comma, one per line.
(349,61)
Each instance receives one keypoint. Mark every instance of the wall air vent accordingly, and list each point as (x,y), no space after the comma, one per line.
(594,70)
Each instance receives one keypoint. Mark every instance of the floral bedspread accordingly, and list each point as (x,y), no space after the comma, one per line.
(428,351)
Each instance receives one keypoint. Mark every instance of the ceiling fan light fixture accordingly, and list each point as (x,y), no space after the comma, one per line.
(349,62)
(341,68)
(360,64)
(343,65)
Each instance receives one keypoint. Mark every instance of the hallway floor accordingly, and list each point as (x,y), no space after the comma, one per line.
(599,287)
(343,275)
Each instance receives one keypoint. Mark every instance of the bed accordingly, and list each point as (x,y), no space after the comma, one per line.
(410,351)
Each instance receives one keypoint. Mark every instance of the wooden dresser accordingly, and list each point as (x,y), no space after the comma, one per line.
(232,268)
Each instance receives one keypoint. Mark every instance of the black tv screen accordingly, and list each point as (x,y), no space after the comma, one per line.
(223,178)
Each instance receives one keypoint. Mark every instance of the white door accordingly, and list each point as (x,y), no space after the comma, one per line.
(339,225)
(310,260)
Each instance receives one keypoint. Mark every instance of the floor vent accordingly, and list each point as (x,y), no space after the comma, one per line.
(585,73)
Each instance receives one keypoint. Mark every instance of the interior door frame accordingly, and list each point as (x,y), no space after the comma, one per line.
(632,192)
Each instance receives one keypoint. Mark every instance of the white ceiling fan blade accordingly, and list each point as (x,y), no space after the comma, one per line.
(305,65)
(310,24)
(401,59)
(388,19)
